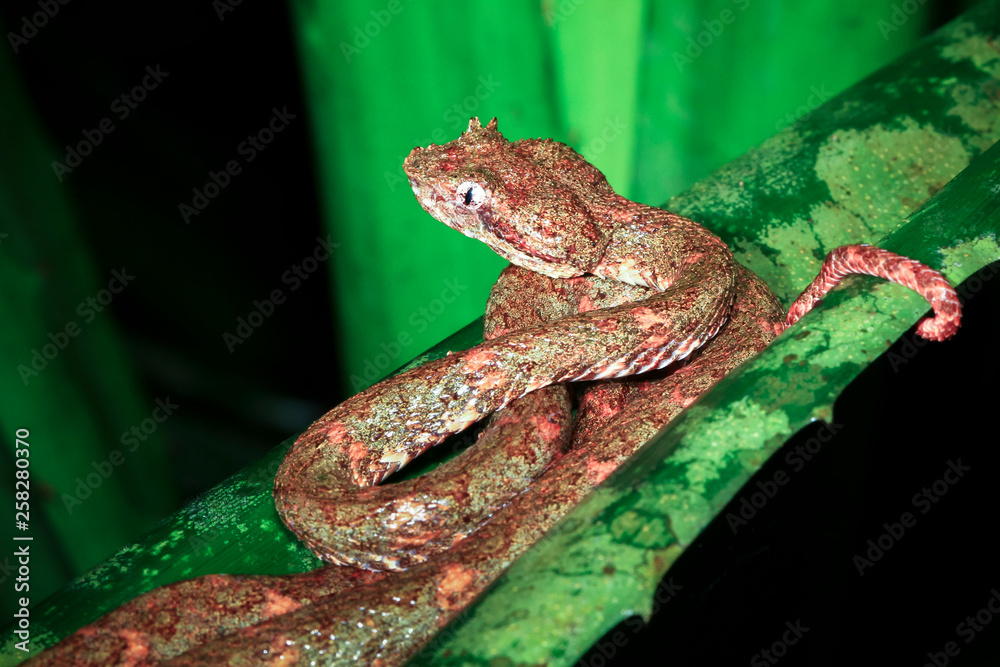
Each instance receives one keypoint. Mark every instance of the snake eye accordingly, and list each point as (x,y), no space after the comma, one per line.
(470,195)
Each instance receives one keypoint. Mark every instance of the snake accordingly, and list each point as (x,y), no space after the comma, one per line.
(646,307)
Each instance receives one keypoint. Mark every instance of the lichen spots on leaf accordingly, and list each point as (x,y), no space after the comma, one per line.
(960,259)
(975,106)
(870,172)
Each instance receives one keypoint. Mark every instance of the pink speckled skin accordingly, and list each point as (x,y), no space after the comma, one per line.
(872,261)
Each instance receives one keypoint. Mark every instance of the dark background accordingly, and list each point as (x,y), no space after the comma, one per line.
(194,280)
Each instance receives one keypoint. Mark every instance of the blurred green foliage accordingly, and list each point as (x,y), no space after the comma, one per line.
(65,379)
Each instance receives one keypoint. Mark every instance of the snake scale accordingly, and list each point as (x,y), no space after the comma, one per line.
(600,288)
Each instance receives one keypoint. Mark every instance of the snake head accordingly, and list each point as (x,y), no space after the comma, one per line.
(537,203)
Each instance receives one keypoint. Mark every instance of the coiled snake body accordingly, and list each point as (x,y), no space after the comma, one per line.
(601,288)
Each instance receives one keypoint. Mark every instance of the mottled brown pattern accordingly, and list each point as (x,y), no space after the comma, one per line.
(566,311)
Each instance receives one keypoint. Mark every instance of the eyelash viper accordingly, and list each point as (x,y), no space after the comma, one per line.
(601,288)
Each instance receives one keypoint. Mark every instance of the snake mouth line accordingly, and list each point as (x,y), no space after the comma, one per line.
(505,233)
